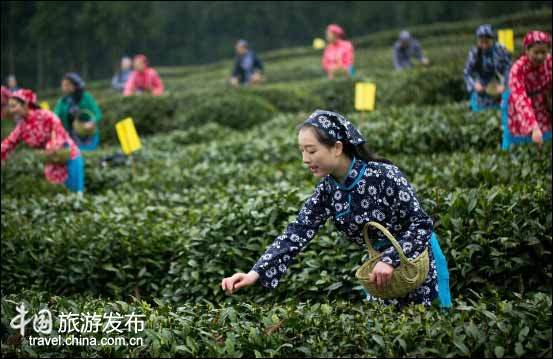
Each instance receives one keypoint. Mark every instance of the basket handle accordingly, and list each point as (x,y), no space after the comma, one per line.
(88,112)
(372,251)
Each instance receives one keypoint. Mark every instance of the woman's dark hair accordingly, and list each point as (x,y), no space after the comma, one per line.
(23,103)
(360,151)
(77,95)
(79,87)
(479,58)
(537,43)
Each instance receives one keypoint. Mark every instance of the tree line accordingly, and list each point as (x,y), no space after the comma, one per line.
(43,39)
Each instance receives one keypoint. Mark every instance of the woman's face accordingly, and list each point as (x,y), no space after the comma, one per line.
(241,49)
(538,53)
(320,159)
(67,87)
(12,82)
(16,108)
(485,42)
(139,64)
(126,63)
(330,36)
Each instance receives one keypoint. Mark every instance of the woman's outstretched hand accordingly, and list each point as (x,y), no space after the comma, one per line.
(537,135)
(238,280)
(479,87)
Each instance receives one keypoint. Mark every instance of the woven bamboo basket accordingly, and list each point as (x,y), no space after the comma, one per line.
(58,155)
(491,89)
(408,276)
(84,116)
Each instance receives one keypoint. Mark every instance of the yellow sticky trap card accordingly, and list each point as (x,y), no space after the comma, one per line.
(45,105)
(365,94)
(318,43)
(506,37)
(130,142)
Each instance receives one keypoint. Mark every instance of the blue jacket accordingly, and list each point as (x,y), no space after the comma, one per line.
(245,66)
(402,55)
(484,65)
(372,191)
(120,79)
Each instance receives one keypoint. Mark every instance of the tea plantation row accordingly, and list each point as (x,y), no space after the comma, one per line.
(474,327)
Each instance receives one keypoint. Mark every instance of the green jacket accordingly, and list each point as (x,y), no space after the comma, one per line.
(87,103)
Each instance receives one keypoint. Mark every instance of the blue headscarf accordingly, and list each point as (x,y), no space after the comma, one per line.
(336,126)
(485,31)
(75,80)
(243,42)
(404,35)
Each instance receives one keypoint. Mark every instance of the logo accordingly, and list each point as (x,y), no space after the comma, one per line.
(42,322)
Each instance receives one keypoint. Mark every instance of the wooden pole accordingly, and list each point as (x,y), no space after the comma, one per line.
(133,172)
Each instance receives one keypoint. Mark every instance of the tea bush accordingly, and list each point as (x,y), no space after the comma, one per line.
(150,114)
(234,111)
(474,327)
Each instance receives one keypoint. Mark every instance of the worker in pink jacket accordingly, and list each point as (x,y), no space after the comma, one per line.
(143,79)
(338,56)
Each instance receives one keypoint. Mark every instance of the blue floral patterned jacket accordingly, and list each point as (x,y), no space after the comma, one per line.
(372,191)
(484,65)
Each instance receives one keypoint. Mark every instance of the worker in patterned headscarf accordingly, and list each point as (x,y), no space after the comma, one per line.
(42,129)
(79,112)
(144,79)
(486,70)
(356,189)
(530,84)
